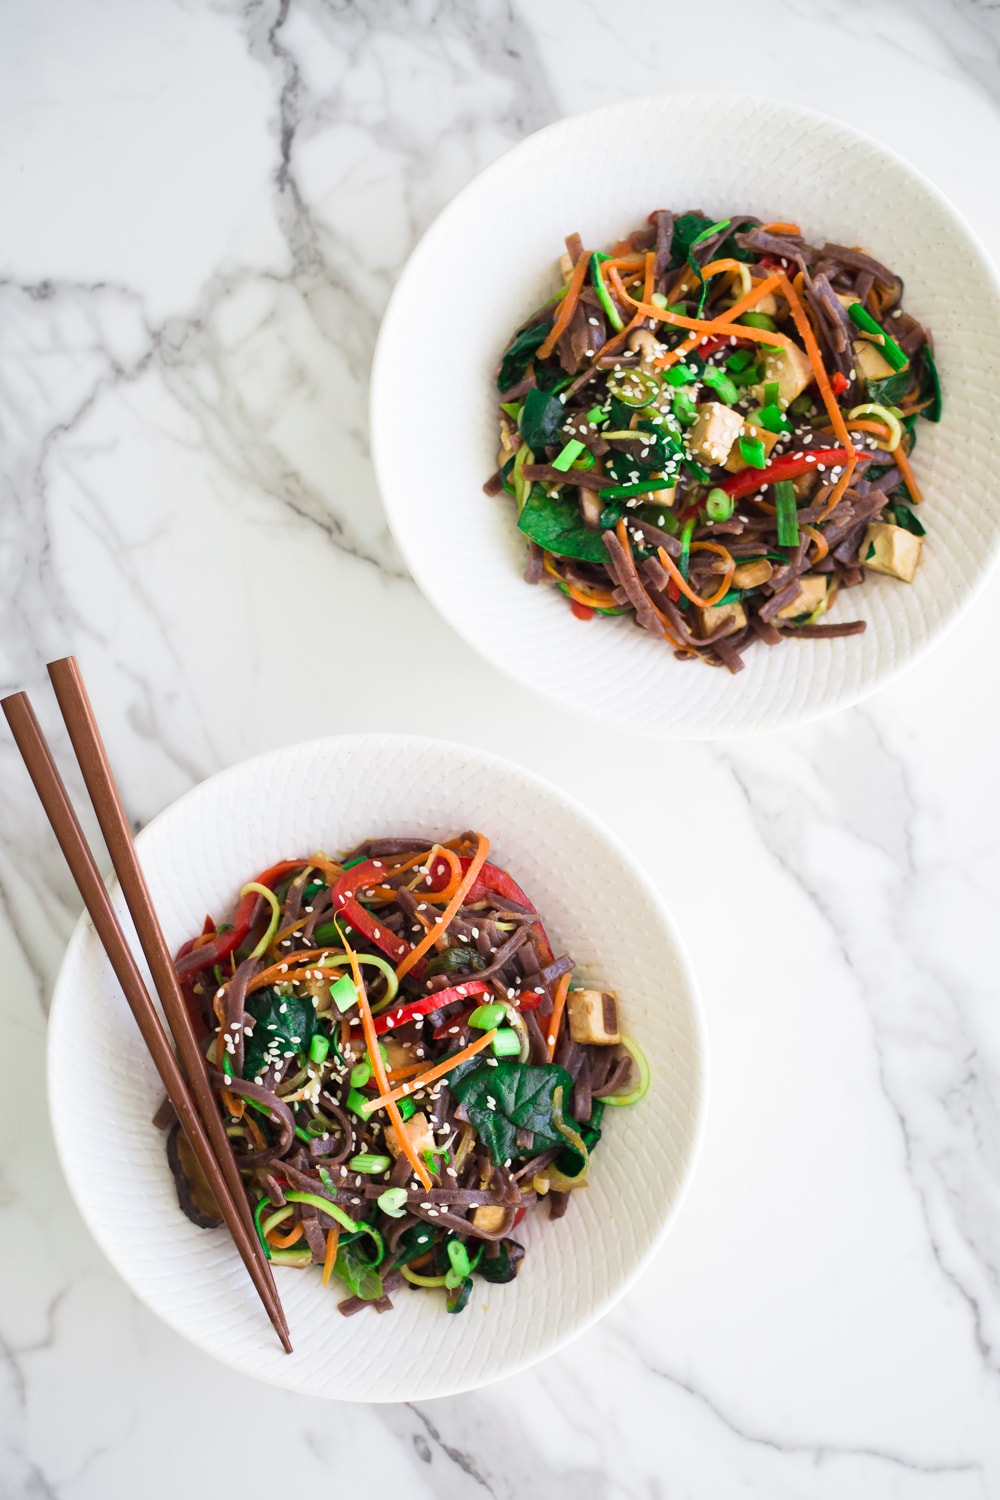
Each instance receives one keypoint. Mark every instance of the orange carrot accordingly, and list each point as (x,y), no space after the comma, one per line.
(292,967)
(902,463)
(567,309)
(682,582)
(282,1241)
(593,598)
(780,228)
(822,380)
(332,1240)
(378,1070)
(822,545)
(441,925)
(387,1100)
(621,532)
(555,1020)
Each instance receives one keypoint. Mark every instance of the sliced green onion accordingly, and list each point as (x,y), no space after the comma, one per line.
(680,374)
(633,387)
(881,414)
(771,418)
(485,1017)
(610,310)
(685,557)
(431,1155)
(771,390)
(358,1104)
(741,360)
(319,1047)
(393,1202)
(623,491)
(684,409)
(585,461)
(758,320)
(658,300)
(787,514)
(706,234)
(642,1085)
(721,384)
(272,926)
(750,376)
(343,993)
(459,1258)
(506,1042)
(406,1108)
(368,1162)
(887,346)
(565,458)
(596,415)
(361,1073)
(332,1210)
(752,452)
(719,505)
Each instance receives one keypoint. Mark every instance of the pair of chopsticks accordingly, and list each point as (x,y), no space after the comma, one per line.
(186,1082)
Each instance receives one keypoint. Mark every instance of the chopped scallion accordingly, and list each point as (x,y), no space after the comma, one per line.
(787,513)
(318,1048)
(368,1162)
(719,506)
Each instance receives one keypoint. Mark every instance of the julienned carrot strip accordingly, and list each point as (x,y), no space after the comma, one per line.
(822,545)
(778,228)
(441,925)
(730,565)
(704,328)
(282,1241)
(685,588)
(822,380)
(902,463)
(291,968)
(378,1070)
(568,307)
(329,1259)
(592,598)
(555,1020)
(387,1099)
(438,852)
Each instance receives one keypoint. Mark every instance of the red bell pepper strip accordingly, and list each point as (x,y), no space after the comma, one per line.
(191,960)
(790,466)
(359,877)
(423,1007)
(839,382)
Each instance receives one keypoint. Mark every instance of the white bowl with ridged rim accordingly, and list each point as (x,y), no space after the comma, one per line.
(597,905)
(489,259)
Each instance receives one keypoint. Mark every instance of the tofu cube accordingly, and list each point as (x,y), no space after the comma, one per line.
(767,305)
(790,368)
(418,1133)
(715,431)
(566,266)
(892,550)
(709,620)
(735,462)
(869,360)
(488,1218)
(810,597)
(593,1018)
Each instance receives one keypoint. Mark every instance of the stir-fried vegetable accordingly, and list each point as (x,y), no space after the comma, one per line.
(400,1098)
(677,385)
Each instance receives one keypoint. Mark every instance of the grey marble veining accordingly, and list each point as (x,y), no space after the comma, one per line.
(205,210)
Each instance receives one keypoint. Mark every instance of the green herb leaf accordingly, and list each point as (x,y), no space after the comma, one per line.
(519,354)
(903,516)
(355,1272)
(541,421)
(930,386)
(513,1096)
(285,1024)
(556,525)
(452,960)
(502,1267)
(890,390)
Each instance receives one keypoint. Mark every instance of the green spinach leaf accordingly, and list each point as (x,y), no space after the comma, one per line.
(542,419)
(284,1024)
(890,390)
(557,526)
(930,386)
(454,959)
(503,1266)
(513,1096)
(903,516)
(356,1274)
(519,354)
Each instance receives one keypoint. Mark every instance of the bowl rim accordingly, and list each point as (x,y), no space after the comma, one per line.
(894,664)
(72,961)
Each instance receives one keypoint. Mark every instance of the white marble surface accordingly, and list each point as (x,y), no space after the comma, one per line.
(204,210)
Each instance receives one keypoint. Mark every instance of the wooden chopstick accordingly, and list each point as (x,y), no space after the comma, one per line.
(88,744)
(66,827)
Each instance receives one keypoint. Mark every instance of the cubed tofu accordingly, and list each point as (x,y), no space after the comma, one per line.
(871,363)
(593,1018)
(767,305)
(396,1054)
(661,497)
(735,462)
(418,1133)
(709,620)
(790,368)
(488,1218)
(750,575)
(566,266)
(810,597)
(714,432)
(892,550)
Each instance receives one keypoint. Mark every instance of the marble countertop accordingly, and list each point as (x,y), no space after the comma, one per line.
(205,207)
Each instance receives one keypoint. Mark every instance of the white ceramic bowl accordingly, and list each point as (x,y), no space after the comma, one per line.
(103,1088)
(489,260)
